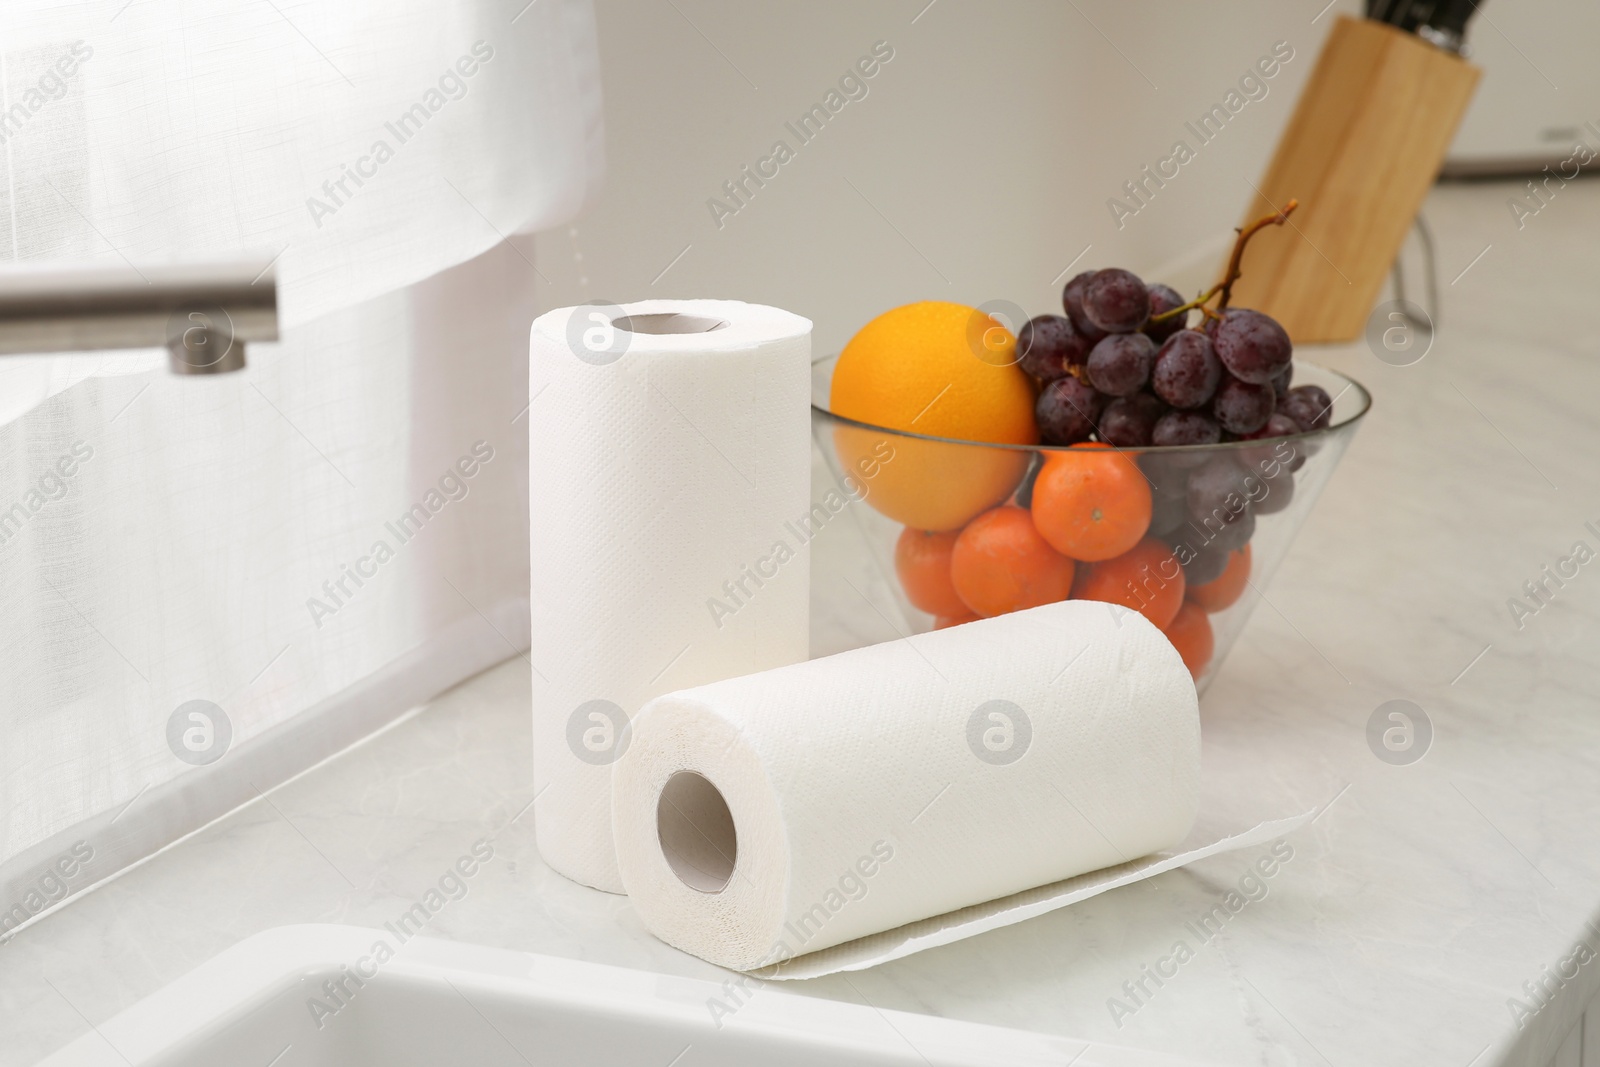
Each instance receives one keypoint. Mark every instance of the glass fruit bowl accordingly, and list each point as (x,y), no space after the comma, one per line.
(1187,535)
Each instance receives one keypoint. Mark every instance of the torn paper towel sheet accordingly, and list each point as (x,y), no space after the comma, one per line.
(874,949)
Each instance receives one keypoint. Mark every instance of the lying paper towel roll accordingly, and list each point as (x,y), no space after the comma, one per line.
(669,480)
(772,815)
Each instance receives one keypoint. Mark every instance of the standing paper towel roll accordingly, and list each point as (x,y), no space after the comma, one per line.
(669,459)
(780,813)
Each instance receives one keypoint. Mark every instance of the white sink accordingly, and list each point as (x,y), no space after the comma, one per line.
(442,1003)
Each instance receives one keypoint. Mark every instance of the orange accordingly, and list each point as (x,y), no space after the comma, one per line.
(1146,578)
(1226,588)
(922,560)
(1001,564)
(1190,633)
(944,622)
(942,370)
(1091,502)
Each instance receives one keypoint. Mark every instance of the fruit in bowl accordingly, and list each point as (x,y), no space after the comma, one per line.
(945,371)
(1153,453)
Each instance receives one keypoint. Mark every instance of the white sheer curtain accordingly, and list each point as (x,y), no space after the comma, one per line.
(371,142)
(166,540)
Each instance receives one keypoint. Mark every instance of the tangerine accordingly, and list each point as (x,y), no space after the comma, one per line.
(1147,578)
(1190,633)
(1091,502)
(1001,564)
(922,562)
(1226,588)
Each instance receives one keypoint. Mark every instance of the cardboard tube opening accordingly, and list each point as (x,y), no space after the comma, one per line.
(668,322)
(696,832)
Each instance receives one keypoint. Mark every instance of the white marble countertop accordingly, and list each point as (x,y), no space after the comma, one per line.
(1412,909)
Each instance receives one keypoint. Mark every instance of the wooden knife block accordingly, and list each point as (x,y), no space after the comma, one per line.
(1360,152)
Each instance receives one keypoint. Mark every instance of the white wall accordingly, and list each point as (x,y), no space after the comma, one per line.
(1540,83)
(982,156)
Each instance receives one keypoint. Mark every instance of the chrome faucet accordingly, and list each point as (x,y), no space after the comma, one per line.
(203,314)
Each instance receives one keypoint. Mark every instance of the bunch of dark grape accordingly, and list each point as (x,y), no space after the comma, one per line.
(1121,368)
(1110,370)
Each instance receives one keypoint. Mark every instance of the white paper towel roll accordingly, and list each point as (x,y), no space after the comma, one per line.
(669,456)
(785,812)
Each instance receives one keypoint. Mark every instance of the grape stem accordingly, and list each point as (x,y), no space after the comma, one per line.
(1277,218)
(1224,288)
